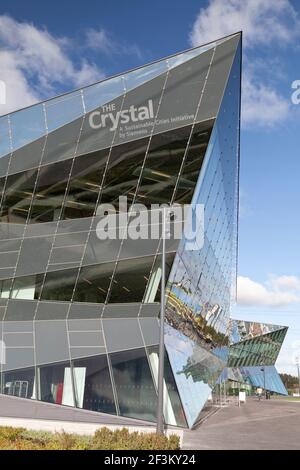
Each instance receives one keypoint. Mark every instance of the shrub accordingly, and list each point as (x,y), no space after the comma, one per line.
(122,439)
(103,439)
(10,433)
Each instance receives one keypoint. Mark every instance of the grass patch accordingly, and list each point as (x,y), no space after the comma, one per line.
(103,439)
(289,398)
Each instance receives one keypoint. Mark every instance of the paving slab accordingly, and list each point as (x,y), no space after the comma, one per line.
(256,425)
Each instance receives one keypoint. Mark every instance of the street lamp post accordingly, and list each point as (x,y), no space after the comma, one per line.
(160,381)
(264,371)
(298,368)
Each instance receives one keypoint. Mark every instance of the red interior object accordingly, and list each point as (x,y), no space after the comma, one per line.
(59,393)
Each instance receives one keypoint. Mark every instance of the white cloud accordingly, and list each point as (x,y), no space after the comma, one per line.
(100,40)
(274,293)
(262,104)
(263,22)
(30,55)
(285,283)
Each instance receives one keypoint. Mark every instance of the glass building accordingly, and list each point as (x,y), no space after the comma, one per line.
(253,351)
(79,315)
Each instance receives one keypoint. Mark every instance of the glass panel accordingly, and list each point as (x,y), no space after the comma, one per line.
(138,77)
(134,384)
(63,110)
(19,383)
(130,280)
(185,56)
(26,287)
(85,184)
(125,164)
(152,293)
(199,290)
(56,384)
(17,197)
(93,283)
(59,285)
(263,349)
(264,376)
(5,287)
(93,385)
(173,410)
(27,125)
(162,166)
(183,92)
(49,192)
(4,137)
(192,164)
(103,92)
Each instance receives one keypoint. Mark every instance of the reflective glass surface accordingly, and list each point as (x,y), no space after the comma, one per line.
(56,384)
(173,409)
(17,197)
(63,110)
(19,383)
(5,145)
(132,280)
(134,384)
(103,92)
(261,377)
(138,77)
(260,350)
(199,287)
(93,385)
(27,125)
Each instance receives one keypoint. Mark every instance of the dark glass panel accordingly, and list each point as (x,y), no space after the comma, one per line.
(192,164)
(5,288)
(27,287)
(50,192)
(173,409)
(168,265)
(93,283)
(130,280)
(56,384)
(24,287)
(19,383)
(17,197)
(162,166)
(85,184)
(129,283)
(59,285)
(134,384)
(125,164)
(93,385)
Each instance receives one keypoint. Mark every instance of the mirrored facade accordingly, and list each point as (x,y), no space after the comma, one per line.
(168,133)
(253,351)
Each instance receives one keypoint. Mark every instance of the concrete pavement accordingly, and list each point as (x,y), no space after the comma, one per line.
(267,424)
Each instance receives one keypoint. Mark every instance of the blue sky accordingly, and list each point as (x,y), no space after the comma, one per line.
(50,47)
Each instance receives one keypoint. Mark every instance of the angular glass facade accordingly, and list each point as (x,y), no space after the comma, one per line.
(254,344)
(164,133)
(253,351)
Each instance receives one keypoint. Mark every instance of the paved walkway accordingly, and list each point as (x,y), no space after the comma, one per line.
(273,424)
